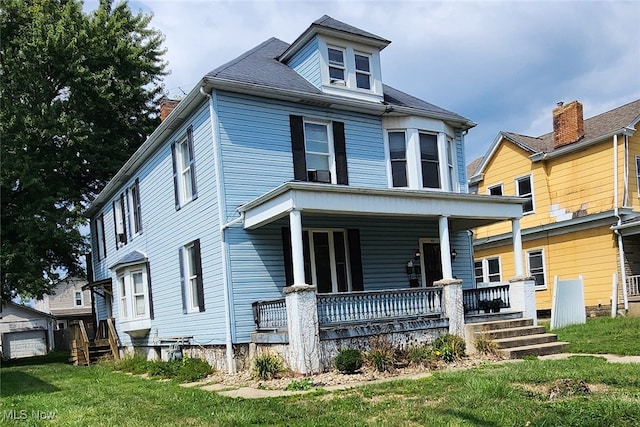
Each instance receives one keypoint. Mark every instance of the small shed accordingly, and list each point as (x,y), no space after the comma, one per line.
(24,331)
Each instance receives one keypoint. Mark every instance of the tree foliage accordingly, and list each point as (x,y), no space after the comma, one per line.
(79,93)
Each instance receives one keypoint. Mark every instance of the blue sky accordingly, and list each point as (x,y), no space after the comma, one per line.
(502,64)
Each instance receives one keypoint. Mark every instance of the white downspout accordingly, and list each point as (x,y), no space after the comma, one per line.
(222,207)
(623,275)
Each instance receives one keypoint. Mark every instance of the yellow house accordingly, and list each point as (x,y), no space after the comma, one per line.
(581,183)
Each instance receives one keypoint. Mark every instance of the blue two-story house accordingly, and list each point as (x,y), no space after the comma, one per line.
(291,167)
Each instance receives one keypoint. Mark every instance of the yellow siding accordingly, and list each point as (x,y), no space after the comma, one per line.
(591,253)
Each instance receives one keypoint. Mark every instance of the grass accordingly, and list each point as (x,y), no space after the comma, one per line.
(492,395)
(508,394)
(601,335)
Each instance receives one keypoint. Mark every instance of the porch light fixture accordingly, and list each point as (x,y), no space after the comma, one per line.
(454,254)
(417,254)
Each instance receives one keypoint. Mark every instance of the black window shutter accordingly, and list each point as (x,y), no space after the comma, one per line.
(297,148)
(192,163)
(94,238)
(288,256)
(115,224)
(104,239)
(182,280)
(196,248)
(175,175)
(89,261)
(355,257)
(123,212)
(149,295)
(340,149)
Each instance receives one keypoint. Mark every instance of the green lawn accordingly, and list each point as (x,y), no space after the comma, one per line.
(493,395)
(603,335)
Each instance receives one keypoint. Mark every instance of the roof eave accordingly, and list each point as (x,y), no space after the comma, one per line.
(540,156)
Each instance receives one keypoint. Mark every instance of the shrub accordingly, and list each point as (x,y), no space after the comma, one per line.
(381,355)
(135,363)
(267,365)
(303,384)
(485,345)
(192,369)
(348,360)
(185,370)
(421,356)
(449,347)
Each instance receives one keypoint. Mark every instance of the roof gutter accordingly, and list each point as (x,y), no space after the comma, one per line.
(541,156)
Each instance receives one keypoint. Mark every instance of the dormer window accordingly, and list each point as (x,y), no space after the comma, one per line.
(363,71)
(336,65)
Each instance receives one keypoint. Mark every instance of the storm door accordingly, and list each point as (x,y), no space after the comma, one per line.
(431,262)
(325,260)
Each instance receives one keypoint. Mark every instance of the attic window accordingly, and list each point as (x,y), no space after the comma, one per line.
(336,65)
(363,71)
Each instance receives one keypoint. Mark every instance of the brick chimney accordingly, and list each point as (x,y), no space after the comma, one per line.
(166,107)
(568,124)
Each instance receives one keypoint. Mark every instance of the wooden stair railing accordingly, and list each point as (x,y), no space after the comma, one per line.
(113,339)
(85,351)
(79,343)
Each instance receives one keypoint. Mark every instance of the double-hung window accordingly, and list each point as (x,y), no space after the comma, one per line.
(363,71)
(100,244)
(535,264)
(524,188)
(135,208)
(429,160)
(78,300)
(120,220)
(191,277)
(134,293)
(398,157)
(451,156)
(184,169)
(487,270)
(319,150)
(336,65)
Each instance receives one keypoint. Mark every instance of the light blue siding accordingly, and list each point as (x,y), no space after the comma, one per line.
(256,146)
(165,230)
(306,62)
(461,164)
(257,266)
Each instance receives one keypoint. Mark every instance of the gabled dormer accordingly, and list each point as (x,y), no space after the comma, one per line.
(338,59)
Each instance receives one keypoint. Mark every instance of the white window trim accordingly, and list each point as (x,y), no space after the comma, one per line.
(100,237)
(343,67)
(188,276)
(452,168)
(132,210)
(485,269)
(414,159)
(500,185)
(75,299)
(533,196)
(330,142)
(544,268)
(367,73)
(128,299)
(332,258)
(120,213)
(184,195)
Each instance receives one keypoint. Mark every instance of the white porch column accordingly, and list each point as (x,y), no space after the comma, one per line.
(445,248)
(453,306)
(517,246)
(297,254)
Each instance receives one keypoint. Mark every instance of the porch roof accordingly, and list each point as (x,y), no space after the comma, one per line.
(465,211)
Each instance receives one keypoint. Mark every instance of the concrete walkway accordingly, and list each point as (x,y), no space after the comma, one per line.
(255,393)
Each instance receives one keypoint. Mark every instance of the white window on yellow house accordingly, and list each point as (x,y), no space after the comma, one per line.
(535,266)
(487,270)
(495,190)
(524,189)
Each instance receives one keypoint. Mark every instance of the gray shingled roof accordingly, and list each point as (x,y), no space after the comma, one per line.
(131,258)
(328,22)
(594,128)
(473,166)
(259,66)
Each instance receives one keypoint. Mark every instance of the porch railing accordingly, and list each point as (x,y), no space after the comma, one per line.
(378,305)
(633,286)
(270,315)
(486,299)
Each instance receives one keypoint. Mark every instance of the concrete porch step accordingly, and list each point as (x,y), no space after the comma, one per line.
(520,331)
(525,340)
(498,325)
(535,350)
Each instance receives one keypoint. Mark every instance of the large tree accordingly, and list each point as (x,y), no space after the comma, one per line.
(79,93)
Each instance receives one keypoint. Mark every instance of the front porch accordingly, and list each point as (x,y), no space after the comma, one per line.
(324,323)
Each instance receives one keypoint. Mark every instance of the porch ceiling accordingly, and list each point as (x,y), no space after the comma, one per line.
(464,210)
